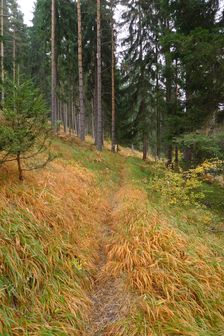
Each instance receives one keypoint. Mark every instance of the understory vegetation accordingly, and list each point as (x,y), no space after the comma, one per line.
(168,256)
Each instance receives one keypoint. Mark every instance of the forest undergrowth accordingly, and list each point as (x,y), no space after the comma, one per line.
(88,247)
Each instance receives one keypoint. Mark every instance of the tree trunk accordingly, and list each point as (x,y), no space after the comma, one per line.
(73,116)
(95,109)
(76,125)
(81,84)
(14,55)
(65,117)
(113,80)
(158,130)
(176,156)
(170,156)
(18,159)
(2,51)
(92,120)
(145,147)
(187,154)
(99,142)
(53,66)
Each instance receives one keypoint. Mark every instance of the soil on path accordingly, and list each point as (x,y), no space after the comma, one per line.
(109,298)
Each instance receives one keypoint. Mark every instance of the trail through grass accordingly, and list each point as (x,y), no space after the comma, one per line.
(87,249)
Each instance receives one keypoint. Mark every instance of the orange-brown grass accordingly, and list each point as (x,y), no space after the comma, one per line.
(178,288)
(48,245)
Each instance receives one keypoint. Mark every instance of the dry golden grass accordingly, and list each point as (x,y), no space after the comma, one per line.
(49,243)
(179,287)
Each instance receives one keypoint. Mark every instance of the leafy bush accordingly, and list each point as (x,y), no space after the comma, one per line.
(177,188)
(24,127)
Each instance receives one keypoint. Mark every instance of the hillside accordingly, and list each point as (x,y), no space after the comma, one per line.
(88,249)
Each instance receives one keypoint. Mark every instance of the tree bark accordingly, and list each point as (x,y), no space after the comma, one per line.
(170,156)
(176,156)
(99,142)
(53,66)
(145,147)
(14,55)
(81,83)
(18,159)
(113,80)
(95,109)
(158,130)
(2,51)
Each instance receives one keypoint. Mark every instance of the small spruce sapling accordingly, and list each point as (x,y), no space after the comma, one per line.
(24,127)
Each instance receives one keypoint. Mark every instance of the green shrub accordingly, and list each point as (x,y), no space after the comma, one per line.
(201,147)
(24,128)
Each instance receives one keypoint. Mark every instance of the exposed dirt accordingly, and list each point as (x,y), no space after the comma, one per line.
(109,298)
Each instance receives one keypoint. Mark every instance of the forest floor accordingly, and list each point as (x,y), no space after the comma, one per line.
(89,249)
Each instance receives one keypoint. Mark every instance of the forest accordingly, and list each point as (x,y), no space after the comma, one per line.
(112,168)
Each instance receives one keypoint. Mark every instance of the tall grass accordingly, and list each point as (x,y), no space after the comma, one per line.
(177,285)
(48,247)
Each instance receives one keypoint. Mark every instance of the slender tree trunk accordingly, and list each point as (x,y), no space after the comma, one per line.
(169,99)
(93,126)
(176,160)
(65,117)
(170,156)
(53,66)
(14,55)
(73,116)
(99,142)
(158,130)
(145,147)
(2,51)
(18,74)
(95,110)
(18,159)
(113,79)
(76,125)
(81,85)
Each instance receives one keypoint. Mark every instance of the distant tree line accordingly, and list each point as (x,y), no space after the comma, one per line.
(166,87)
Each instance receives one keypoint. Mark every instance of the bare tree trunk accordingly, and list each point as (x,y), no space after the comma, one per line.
(176,160)
(18,74)
(73,115)
(2,50)
(81,85)
(70,117)
(158,130)
(53,66)
(95,109)
(145,147)
(93,128)
(18,159)
(76,125)
(113,80)
(65,117)
(14,55)
(169,110)
(170,156)
(99,142)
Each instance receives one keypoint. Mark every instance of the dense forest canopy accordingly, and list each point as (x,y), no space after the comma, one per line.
(145,73)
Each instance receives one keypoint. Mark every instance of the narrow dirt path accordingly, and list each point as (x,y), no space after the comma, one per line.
(108,297)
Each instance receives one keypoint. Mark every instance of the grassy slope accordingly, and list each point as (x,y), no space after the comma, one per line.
(49,231)
(171,263)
